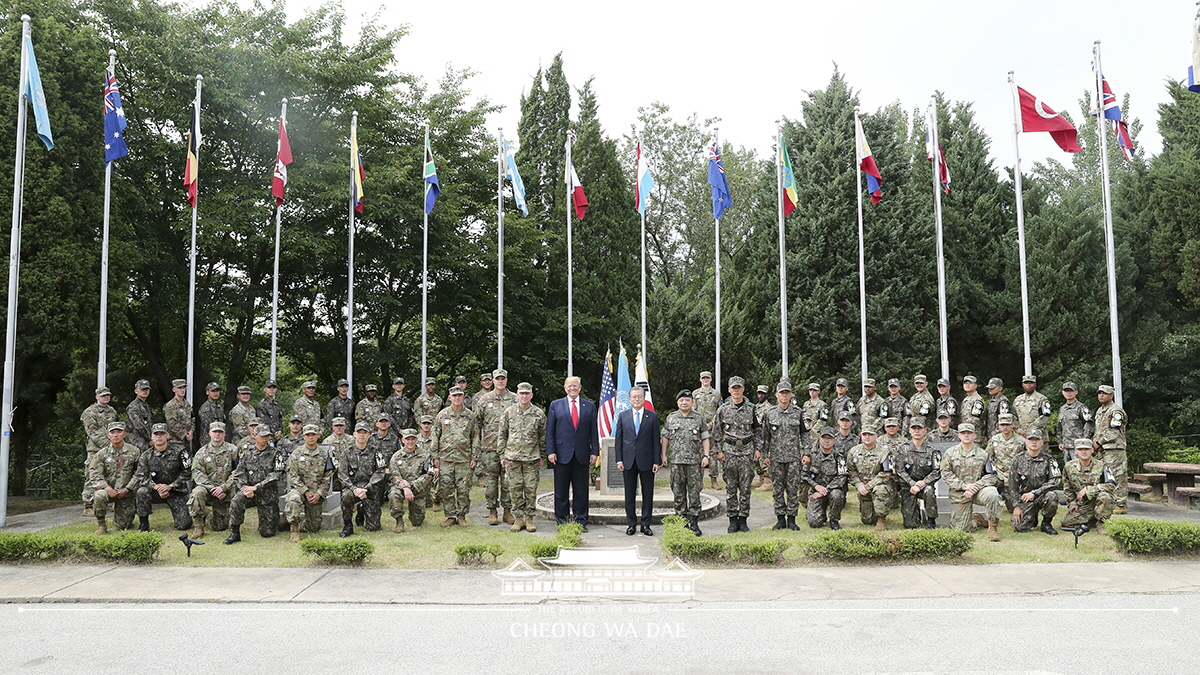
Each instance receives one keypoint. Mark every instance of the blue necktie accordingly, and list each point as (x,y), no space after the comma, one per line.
(637,423)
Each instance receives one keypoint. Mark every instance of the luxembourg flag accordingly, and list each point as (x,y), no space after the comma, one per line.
(645,181)
(866,162)
(577,196)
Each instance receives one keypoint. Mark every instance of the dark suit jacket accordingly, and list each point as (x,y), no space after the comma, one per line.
(643,449)
(572,443)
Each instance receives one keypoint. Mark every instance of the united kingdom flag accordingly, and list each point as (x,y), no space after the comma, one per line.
(114,120)
(1112,112)
(608,400)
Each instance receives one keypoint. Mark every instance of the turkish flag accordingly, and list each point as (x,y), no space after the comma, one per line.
(1037,116)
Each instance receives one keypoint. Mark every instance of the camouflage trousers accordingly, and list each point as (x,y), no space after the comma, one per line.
(1117,463)
(495,485)
(203,506)
(1002,488)
(266,500)
(1099,508)
(739,472)
(522,482)
(785,487)
(434,495)
(298,511)
(877,503)
(369,506)
(910,505)
(1047,505)
(760,469)
(416,508)
(716,469)
(88,490)
(963,507)
(456,488)
(176,501)
(123,508)
(819,508)
(686,481)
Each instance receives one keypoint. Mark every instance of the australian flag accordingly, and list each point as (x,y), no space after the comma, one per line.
(716,178)
(114,120)
(1112,112)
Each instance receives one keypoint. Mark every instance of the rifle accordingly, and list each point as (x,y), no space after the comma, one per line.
(1078,531)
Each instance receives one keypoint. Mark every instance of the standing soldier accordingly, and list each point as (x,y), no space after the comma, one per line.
(735,435)
(972,480)
(521,443)
(944,433)
(399,408)
(869,467)
(363,474)
(428,403)
(973,408)
(844,438)
(826,477)
(1090,489)
(293,440)
(921,404)
(1031,407)
(685,436)
(110,474)
(385,442)
(870,405)
(783,435)
(341,405)
(411,473)
(844,404)
(95,419)
(178,413)
(892,439)
(945,402)
(485,386)
(310,470)
(460,381)
(268,409)
(816,412)
(456,448)
(1033,480)
(1074,421)
(488,413)
(918,468)
(248,442)
(705,401)
(256,483)
(240,416)
(307,407)
(338,441)
(370,408)
(433,498)
(895,405)
(1109,441)
(997,405)
(212,472)
(1001,449)
(210,411)
(137,416)
(762,480)
(162,476)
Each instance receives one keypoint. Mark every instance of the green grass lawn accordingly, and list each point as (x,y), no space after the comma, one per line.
(20,505)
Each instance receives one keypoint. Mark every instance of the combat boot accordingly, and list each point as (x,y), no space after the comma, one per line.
(880,523)
(492,519)
(742,526)
(1120,510)
(462,519)
(1048,527)
(529,526)
(295,533)
(235,535)
(931,523)
(1099,528)
(399,527)
(980,521)
(347,528)
(87,510)
(361,518)
(756,482)
(835,525)
(993,535)
(696,526)
(198,529)
(733,525)
(448,522)
(780,524)
(517,525)
(713,481)
(143,523)
(508,516)
(766,485)
(437,505)
(101,526)
(791,523)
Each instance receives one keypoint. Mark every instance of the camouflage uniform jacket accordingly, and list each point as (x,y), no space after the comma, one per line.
(309,411)
(399,408)
(686,434)
(936,435)
(384,446)
(896,407)
(239,421)
(521,436)
(922,404)
(1095,478)
(734,424)
(270,414)
(947,404)
(996,407)
(1110,427)
(783,434)
(95,419)
(490,409)
(311,470)
(341,406)
(339,445)
(209,412)
(1032,411)
(761,409)
(826,469)
(1002,450)
(842,444)
(816,413)
(137,423)
(415,467)
(368,411)
(962,467)
(214,465)
(114,467)
(1074,421)
(973,410)
(425,444)
(916,464)
(1038,475)
(427,405)
(172,466)
(891,443)
(288,444)
(843,404)
(178,413)
(456,436)
(705,402)
(257,468)
(363,467)
(868,466)
(869,409)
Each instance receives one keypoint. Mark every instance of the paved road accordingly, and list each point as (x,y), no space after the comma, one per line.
(1151,633)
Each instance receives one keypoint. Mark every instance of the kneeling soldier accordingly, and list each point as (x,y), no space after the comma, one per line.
(1090,487)
(362,472)
(968,471)
(111,477)
(826,477)
(1033,481)
(310,471)
(411,475)
(917,468)
(521,443)
(256,481)
(162,476)
(685,437)
(212,472)
(871,473)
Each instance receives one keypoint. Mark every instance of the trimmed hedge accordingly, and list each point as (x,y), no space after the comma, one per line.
(846,545)
(912,544)
(127,546)
(1138,535)
(342,552)
(473,554)
(569,535)
(682,542)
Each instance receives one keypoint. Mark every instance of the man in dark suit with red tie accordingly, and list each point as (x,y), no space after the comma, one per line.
(572,446)
(638,451)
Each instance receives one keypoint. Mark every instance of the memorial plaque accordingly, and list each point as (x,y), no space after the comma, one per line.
(612,479)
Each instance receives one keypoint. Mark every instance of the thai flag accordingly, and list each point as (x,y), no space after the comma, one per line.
(866,162)
(1112,112)
(114,120)
(645,181)
(943,172)
(608,402)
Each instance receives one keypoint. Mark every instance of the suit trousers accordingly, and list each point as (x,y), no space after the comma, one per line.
(571,492)
(632,477)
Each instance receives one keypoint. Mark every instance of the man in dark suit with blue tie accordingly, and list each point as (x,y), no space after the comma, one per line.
(572,446)
(638,450)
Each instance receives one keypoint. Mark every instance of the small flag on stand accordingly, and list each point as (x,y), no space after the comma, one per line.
(643,379)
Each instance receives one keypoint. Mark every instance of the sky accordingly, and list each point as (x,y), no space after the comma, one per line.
(750,63)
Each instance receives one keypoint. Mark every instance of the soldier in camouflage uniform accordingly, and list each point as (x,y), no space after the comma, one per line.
(971,478)
(268,409)
(892,439)
(137,416)
(1074,421)
(433,498)
(341,405)
(1001,449)
(485,386)
(398,407)
(363,474)
(870,470)
(826,476)
(456,453)
(338,441)
(370,408)
(210,411)
(410,473)
(998,405)
(1090,488)
(946,403)
(895,405)
(735,435)
(844,437)
(521,443)
(428,403)
(918,468)
(246,443)
(310,473)
(212,472)
(870,405)
(706,400)
(293,440)
(1109,441)
(307,407)
(256,483)
(488,411)
(685,441)
(816,413)
(1033,481)
(844,404)
(945,432)
(1031,407)
(385,441)
(974,409)
(162,476)
(783,436)
(181,425)
(95,420)
(762,479)
(460,381)
(239,417)
(110,474)
(921,404)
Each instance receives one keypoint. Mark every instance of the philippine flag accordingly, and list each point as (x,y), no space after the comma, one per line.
(577,195)
(866,162)
(645,181)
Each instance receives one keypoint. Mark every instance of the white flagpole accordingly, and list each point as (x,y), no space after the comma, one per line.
(783,337)
(191,346)
(350,272)
(275,281)
(14,261)
(717,280)
(645,205)
(1020,220)
(570,267)
(1109,242)
(424,271)
(102,364)
(862,258)
(941,251)
(499,253)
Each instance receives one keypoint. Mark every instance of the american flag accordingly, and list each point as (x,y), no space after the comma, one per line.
(1112,112)
(608,400)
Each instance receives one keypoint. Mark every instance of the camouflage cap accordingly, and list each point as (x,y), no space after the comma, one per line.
(116,426)
(842,382)
(175,384)
(309,385)
(944,413)
(683,393)
(1029,378)
(243,389)
(828,431)
(431,380)
(736,381)
(1034,433)
(1070,386)
(159,428)
(103,391)
(763,389)
(486,377)
(894,382)
(814,385)
(371,387)
(1106,388)
(920,378)
(705,373)
(917,421)
(995,382)
(141,384)
(213,386)
(457,391)
(524,388)
(870,428)
(270,383)
(499,372)
(262,430)
(846,416)
(426,419)
(869,382)
(1006,418)
(966,428)
(408,433)
(397,380)
(943,382)
(295,418)
(216,426)
(970,378)
(362,426)
(1083,444)
(383,417)
(343,382)
(460,378)
(783,385)
(338,422)
(891,422)
(312,429)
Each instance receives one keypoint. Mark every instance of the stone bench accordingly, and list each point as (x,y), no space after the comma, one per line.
(1136,490)
(1191,494)
(1154,480)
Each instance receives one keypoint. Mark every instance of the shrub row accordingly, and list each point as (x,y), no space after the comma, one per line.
(131,547)
(682,542)
(569,535)
(912,544)
(1137,535)
(473,554)
(338,551)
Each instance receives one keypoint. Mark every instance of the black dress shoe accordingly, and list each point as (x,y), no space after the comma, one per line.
(647,531)
(631,530)
(584,528)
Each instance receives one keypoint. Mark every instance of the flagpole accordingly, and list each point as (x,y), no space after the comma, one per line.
(570,267)
(499,251)
(14,260)
(717,281)
(191,347)
(783,338)
(425,276)
(862,264)
(1020,220)
(1109,241)
(102,364)
(350,273)
(941,251)
(643,205)
(275,282)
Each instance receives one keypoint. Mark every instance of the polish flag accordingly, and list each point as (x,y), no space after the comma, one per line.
(577,196)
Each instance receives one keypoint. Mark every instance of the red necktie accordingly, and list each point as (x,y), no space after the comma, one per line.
(574,413)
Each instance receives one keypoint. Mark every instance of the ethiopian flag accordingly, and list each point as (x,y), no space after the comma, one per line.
(790,197)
